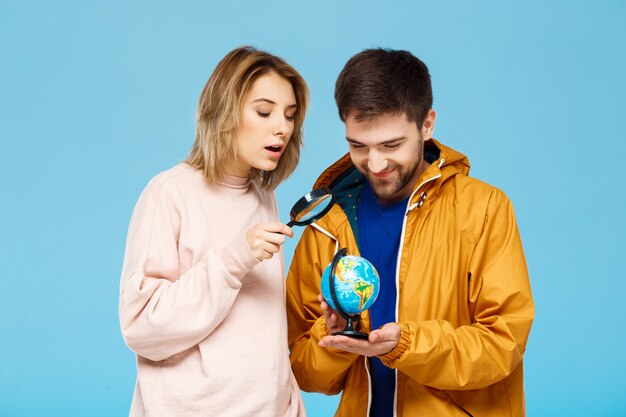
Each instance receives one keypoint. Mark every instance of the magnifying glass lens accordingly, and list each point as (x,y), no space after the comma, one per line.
(311,207)
(315,207)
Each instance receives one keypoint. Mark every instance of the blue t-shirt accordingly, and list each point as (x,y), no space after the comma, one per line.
(380,227)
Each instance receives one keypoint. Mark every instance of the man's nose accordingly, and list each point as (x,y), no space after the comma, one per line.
(376,162)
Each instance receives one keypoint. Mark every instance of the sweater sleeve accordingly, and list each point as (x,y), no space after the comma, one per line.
(473,356)
(163,311)
(316,369)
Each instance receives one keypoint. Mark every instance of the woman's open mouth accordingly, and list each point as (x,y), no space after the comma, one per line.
(274,150)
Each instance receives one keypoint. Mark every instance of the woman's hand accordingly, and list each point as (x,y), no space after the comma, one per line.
(264,239)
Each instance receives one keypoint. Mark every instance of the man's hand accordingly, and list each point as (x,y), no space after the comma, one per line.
(264,239)
(379,342)
(334,321)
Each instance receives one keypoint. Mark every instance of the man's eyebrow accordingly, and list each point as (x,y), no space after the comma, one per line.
(267,100)
(387,142)
(390,141)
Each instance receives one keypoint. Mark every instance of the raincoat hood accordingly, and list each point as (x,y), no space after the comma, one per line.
(345,181)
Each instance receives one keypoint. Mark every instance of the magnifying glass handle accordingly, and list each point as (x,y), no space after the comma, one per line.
(290,224)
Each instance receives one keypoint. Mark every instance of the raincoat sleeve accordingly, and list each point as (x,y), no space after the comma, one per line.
(316,369)
(438,354)
(162,310)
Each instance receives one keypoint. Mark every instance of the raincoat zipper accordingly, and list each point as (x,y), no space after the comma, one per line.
(408,209)
(369,386)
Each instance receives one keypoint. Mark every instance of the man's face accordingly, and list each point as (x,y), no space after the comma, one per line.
(388,150)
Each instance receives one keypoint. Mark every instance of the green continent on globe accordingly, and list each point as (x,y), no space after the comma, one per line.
(356,284)
(364,290)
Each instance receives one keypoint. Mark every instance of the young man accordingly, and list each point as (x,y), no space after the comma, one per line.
(449,328)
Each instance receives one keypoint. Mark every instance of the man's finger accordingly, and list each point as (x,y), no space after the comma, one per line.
(389,332)
(348,344)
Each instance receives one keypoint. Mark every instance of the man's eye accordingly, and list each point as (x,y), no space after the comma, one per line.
(392,146)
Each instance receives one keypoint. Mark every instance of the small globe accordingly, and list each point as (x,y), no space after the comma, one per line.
(356,284)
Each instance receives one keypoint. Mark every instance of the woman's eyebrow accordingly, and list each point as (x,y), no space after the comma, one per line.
(267,100)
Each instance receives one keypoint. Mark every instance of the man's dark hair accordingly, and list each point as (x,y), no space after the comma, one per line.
(383,81)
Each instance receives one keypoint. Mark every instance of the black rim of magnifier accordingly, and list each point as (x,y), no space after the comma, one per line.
(305,201)
(350,319)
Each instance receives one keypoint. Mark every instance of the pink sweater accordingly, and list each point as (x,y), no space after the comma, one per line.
(205,317)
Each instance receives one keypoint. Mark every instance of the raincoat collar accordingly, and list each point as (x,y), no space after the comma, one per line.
(445,162)
(346,183)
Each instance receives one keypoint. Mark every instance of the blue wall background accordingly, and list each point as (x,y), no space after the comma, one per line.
(96,97)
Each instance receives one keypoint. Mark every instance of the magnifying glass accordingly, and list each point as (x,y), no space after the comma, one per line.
(311,207)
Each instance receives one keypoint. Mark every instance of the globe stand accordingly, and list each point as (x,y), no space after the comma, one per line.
(351,319)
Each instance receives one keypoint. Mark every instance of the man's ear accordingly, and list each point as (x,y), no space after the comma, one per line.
(428,127)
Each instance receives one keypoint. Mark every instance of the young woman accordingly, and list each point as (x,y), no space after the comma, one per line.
(202,299)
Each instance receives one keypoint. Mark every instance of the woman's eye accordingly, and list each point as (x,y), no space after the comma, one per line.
(263,114)
(290,118)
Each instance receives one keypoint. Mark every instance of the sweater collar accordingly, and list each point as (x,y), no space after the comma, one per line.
(232,181)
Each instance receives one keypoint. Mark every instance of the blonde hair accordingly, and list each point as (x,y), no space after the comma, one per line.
(219,112)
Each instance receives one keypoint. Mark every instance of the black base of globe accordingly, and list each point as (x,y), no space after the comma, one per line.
(349,331)
(352,333)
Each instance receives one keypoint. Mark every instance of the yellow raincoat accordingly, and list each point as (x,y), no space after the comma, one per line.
(464,303)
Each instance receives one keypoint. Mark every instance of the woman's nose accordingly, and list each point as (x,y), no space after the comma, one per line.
(282,127)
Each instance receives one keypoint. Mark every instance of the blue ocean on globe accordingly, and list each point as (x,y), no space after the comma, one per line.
(356,284)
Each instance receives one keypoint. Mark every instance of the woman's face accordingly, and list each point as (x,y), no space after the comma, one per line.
(267,122)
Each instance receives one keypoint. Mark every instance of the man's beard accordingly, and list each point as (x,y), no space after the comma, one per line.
(388,187)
